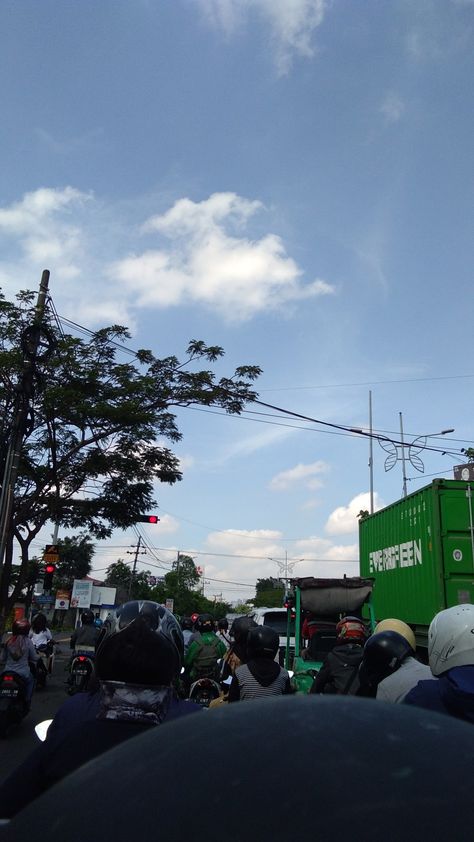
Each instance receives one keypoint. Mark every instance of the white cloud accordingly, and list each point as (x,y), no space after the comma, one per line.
(206,263)
(299,475)
(393,107)
(292,23)
(166,526)
(344,521)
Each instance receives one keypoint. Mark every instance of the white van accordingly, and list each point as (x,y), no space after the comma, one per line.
(277,619)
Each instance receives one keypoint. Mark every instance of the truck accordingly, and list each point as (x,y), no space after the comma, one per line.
(419,551)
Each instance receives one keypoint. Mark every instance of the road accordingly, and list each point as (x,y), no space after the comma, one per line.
(45,703)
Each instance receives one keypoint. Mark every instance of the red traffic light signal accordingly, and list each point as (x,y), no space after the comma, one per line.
(50,568)
(49,572)
(146,519)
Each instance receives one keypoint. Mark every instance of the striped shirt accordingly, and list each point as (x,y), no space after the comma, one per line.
(250,688)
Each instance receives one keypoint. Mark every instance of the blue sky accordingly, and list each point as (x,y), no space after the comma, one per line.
(290,179)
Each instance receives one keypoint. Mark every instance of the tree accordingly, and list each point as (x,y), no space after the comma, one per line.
(75,559)
(469,453)
(120,576)
(93,445)
(242,608)
(270,593)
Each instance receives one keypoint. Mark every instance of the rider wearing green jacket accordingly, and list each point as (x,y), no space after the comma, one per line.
(204,652)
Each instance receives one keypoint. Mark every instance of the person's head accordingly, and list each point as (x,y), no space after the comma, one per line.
(144,645)
(187,624)
(451,639)
(351,630)
(240,629)
(223,624)
(205,623)
(38,623)
(391,624)
(21,628)
(384,653)
(87,618)
(262,642)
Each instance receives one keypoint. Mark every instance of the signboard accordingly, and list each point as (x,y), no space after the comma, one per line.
(62,600)
(169,604)
(81,594)
(44,599)
(51,554)
(465,472)
(103,596)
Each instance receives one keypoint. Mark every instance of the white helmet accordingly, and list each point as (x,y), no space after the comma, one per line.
(451,639)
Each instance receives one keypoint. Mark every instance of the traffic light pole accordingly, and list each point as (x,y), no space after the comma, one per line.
(25,392)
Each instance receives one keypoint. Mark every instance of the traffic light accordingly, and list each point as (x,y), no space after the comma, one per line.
(49,572)
(146,519)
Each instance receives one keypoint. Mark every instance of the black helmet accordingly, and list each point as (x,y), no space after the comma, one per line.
(262,642)
(241,627)
(384,652)
(205,623)
(187,623)
(143,617)
(87,618)
(223,624)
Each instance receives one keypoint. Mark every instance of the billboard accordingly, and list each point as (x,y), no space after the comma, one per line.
(81,594)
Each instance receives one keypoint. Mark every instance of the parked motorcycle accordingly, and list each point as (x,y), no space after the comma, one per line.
(13,702)
(44,664)
(80,671)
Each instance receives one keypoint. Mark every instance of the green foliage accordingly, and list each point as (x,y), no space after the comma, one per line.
(469,453)
(119,576)
(91,454)
(241,608)
(270,593)
(75,554)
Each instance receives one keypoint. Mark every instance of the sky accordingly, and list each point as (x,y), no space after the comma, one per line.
(289,179)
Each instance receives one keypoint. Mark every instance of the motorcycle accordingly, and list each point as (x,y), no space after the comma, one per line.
(80,671)
(44,664)
(204,691)
(13,702)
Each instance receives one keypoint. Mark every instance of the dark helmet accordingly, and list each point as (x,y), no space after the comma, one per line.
(21,627)
(187,623)
(87,618)
(351,630)
(223,624)
(241,627)
(262,642)
(205,623)
(39,623)
(384,653)
(143,642)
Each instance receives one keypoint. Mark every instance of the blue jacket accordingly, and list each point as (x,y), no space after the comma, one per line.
(452,693)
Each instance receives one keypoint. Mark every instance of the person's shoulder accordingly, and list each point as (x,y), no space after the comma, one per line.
(425,691)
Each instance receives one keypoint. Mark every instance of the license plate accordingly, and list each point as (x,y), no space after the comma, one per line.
(9,692)
(81,671)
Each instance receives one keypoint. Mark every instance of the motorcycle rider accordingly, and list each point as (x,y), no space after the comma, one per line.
(40,634)
(201,658)
(136,663)
(21,656)
(87,635)
(451,659)
(223,631)
(405,671)
(187,627)
(339,672)
(261,676)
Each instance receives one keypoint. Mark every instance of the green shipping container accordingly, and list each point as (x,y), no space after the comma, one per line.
(419,551)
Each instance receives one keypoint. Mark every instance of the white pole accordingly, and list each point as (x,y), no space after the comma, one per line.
(371,457)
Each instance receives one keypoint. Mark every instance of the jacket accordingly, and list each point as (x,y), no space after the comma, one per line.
(451,693)
(395,687)
(88,726)
(203,654)
(339,672)
(86,635)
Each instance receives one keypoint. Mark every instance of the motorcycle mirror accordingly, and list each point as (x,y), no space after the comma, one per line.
(41,729)
(291,673)
(182,670)
(228,680)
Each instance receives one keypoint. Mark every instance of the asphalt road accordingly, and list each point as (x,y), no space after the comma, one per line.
(45,703)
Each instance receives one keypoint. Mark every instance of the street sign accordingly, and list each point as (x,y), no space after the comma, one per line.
(465,472)
(44,599)
(81,594)
(51,554)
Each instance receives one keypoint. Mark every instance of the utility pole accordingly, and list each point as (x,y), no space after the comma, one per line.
(404,470)
(134,569)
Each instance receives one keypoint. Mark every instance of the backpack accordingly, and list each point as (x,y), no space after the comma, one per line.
(344,673)
(205,662)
